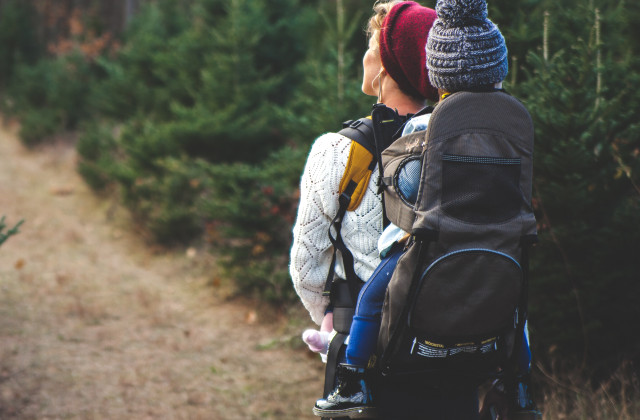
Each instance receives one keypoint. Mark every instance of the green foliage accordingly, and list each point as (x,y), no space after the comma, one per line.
(161,190)
(251,209)
(50,96)
(253,206)
(202,96)
(204,143)
(136,82)
(522,23)
(17,38)
(6,235)
(330,92)
(166,204)
(586,178)
(97,149)
(321,105)
(197,84)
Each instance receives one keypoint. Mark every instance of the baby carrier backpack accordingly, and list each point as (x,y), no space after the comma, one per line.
(456,304)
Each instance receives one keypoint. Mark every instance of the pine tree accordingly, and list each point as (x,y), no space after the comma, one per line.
(586,175)
(195,84)
(18,42)
(330,91)
(253,205)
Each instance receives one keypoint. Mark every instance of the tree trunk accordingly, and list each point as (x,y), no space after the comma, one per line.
(130,8)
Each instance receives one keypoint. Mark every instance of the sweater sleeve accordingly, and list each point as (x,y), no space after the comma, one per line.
(311,251)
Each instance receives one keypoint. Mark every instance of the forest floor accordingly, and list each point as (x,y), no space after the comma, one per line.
(97,324)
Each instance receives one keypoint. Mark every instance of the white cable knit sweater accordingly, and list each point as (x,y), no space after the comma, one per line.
(311,251)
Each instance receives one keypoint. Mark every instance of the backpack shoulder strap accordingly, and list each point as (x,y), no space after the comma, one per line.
(368,140)
(360,131)
(352,188)
(361,160)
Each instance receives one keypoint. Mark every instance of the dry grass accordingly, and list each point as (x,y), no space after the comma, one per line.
(569,397)
(95,324)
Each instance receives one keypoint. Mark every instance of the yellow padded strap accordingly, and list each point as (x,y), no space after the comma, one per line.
(357,170)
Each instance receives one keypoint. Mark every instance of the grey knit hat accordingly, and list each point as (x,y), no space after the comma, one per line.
(464,48)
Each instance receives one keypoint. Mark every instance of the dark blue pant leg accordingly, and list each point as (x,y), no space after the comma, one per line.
(363,335)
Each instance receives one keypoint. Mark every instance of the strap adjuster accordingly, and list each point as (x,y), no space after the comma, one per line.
(344,200)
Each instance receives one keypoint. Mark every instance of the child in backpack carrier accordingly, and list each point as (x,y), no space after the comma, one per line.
(486,66)
(353,396)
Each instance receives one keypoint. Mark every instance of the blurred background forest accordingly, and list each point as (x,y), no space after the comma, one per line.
(198,115)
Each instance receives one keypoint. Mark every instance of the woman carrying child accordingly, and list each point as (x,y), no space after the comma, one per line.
(453,40)
(395,71)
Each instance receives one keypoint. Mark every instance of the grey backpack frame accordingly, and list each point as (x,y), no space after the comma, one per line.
(457,302)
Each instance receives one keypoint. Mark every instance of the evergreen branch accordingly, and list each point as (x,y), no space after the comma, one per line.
(10,232)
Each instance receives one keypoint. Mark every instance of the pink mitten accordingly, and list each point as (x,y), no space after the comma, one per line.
(318,341)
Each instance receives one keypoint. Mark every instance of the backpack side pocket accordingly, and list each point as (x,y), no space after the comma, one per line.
(467,295)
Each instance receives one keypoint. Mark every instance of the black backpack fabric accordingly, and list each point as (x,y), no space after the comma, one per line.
(370,136)
(457,301)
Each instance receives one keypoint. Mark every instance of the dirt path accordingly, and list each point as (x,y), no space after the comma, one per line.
(95,325)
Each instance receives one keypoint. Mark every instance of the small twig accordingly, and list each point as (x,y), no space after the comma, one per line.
(598,59)
(553,379)
(545,36)
(627,171)
(610,400)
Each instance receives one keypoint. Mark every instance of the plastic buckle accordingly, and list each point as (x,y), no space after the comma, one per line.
(356,124)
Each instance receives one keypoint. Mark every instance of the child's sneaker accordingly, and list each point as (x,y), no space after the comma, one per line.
(351,398)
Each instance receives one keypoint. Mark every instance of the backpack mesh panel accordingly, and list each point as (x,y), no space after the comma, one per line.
(481,189)
(408,180)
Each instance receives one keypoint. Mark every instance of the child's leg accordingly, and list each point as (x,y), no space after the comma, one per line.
(363,335)
(352,394)
(524,360)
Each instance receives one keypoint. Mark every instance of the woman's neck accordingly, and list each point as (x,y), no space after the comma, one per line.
(396,99)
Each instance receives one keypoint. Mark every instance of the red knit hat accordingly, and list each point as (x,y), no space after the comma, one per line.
(403,39)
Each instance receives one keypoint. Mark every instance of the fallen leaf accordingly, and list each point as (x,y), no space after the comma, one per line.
(66,190)
(191,253)
(251,317)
